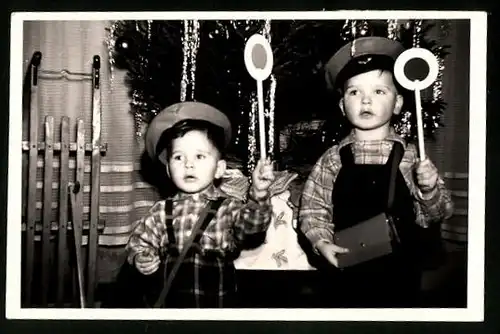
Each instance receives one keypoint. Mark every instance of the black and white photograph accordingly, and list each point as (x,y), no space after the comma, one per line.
(236,165)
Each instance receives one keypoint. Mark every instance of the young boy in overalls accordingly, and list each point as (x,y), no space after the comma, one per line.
(349,183)
(189,138)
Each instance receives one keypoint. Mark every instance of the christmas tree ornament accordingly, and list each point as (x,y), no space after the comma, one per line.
(417,85)
(129,44)
(123,45)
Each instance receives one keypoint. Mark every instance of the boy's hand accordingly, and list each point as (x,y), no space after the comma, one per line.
(330,251)
(147,264)
(262,177)
(427,176)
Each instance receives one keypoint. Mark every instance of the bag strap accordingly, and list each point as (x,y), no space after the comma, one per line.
(206,216)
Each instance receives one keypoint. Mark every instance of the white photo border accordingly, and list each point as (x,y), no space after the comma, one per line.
(476,205)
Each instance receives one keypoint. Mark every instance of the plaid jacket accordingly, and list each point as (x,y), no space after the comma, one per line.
(315,214)
(207,274)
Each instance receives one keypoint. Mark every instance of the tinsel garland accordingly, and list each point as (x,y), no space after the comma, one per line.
(139,105)
(124,51)
(252,133)
(417,33)
(190,45)
(271,98)
(272,104)
(242,113)
(148,51)
(392,29)
(110,43)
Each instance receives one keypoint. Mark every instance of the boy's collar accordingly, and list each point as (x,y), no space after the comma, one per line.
(210,193)
(392,136)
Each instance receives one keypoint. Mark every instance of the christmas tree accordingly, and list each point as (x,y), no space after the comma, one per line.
(169,61)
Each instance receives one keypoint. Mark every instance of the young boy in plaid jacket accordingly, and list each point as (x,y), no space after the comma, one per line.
(189,138)
(349,183)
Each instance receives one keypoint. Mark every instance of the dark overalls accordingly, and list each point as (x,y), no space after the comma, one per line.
(361,192)
(206,279)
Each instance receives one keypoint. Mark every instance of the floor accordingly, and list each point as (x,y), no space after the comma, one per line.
(444,286)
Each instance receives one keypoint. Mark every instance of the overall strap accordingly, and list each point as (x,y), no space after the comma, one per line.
(395,159)
(212,211)
(169,218)
(346,155)
(206,216)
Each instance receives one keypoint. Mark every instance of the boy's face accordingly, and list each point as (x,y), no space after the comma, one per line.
(369,101)
(194,162)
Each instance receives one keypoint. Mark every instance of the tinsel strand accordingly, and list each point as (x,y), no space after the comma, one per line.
(185,51)
(272,104)
(252,142)
(404,126)
(139,112)
(194,45)
(364,28)
(137,105)
(417,29)
(271,94)
(392,29)
(111,42)
(437,88)
(242,113)
(138,102)
(353,37)
(346,31)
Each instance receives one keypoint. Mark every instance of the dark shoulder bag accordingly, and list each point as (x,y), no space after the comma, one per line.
(374,237)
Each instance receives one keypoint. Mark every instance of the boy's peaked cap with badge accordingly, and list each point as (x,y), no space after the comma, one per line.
(362,47)
(178,112)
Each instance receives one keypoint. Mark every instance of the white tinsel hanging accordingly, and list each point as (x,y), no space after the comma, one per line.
(252,140)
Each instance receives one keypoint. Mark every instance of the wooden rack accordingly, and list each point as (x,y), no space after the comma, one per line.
(61,239)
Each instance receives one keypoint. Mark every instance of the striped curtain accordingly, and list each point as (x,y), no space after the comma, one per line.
(71,45)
